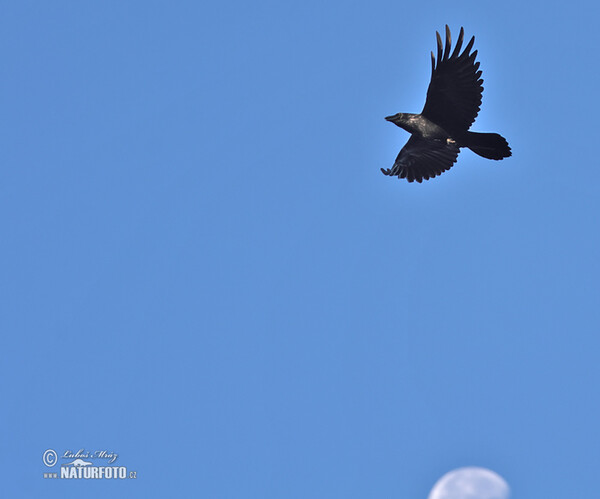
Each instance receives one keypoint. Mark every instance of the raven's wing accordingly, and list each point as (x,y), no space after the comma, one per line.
(454,93)
(423,159)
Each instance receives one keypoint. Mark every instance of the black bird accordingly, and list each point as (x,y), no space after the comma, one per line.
(452,103)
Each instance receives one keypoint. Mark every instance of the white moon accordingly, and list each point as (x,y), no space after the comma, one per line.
(470,483)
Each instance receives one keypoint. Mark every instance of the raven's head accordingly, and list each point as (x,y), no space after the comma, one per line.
(398,119)
(404,120)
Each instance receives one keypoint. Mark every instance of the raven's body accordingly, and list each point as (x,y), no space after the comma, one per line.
(442,128)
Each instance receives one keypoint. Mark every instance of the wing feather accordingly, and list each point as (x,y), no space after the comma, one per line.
(423,159)
(455,90)
(448,43)
(458,42)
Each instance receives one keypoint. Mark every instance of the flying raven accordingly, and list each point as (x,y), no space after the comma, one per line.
(452,103)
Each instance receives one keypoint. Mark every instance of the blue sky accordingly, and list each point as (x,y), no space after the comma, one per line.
(204,271)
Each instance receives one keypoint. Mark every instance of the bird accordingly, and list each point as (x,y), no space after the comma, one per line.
(451,106)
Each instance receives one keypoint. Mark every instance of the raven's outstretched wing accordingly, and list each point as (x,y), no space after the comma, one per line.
(423,159)
(454,93)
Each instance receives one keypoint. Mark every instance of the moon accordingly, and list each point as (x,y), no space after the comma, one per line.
(470,483)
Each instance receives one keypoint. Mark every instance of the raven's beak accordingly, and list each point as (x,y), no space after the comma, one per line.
(389,118)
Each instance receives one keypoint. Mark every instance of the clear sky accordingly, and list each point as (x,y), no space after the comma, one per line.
(205,272)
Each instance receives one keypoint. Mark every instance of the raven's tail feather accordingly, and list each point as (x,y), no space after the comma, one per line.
(488,145)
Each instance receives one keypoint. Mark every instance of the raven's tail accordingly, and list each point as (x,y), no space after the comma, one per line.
(488,145)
